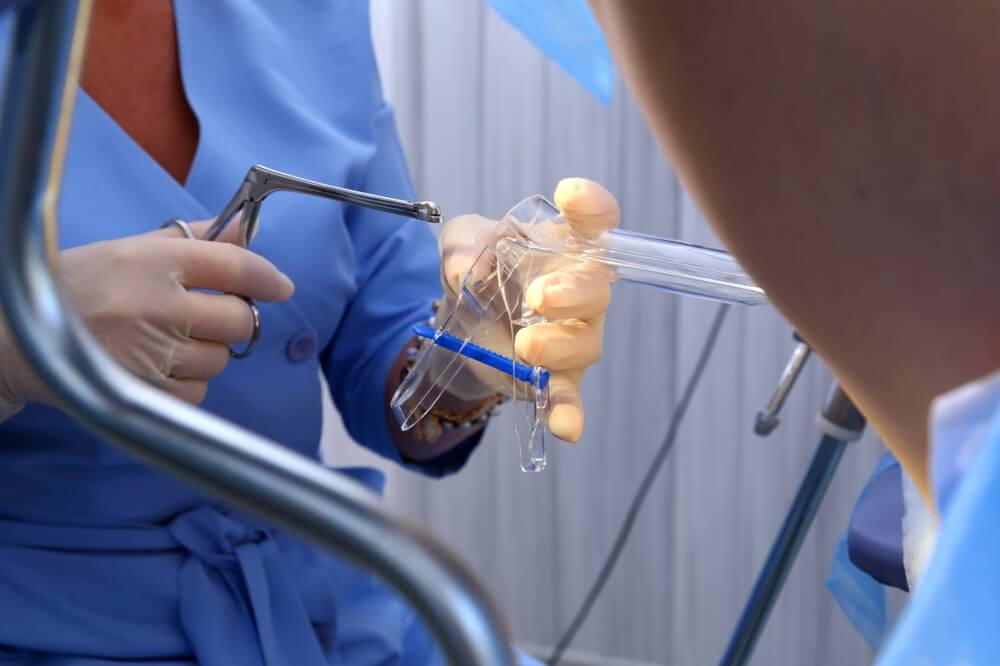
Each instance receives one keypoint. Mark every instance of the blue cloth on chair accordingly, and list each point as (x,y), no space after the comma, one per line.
(875,533)
(860,596)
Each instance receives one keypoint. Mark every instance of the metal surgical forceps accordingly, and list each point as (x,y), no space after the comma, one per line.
(260,182)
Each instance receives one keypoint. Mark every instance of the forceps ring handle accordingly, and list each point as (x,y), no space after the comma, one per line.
(255,336)
(254,312)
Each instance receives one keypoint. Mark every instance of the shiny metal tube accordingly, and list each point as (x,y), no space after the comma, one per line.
(228,462)
(841,423)
(785,549)
(768,419)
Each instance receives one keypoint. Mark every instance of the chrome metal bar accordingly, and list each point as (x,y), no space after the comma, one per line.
(767,420)
(841,423)
(228,462)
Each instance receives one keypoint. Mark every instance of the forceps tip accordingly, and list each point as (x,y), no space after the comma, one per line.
(428,211)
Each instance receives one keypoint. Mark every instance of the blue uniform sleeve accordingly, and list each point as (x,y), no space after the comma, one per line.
(397,279)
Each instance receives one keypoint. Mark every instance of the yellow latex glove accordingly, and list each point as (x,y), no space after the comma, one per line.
(572,298)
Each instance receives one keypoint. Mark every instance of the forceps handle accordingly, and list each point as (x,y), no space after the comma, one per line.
(260,182)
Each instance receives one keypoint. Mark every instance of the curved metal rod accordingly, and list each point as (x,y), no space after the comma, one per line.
(39,86)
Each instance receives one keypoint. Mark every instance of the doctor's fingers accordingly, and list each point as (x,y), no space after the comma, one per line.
(462,241)
(227,268)
(561,345)
(565,405)
(192,391)
(587,206)
(575,293)
(231,234)
(197,359)
(217,317)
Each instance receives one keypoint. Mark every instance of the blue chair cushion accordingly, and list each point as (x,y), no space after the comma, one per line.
(875,533)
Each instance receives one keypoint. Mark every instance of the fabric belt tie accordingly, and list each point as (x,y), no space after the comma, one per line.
(233,567)
(238,603)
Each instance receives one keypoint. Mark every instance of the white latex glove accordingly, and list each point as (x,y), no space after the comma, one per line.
(572,298)
(134,295)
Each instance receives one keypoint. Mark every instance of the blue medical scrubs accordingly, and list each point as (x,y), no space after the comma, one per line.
(954,616)
(106,561)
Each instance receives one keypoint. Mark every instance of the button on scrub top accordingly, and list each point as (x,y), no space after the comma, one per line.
(104,560)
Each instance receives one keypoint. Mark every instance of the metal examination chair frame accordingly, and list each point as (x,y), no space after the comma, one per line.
(222,459)
(840,423)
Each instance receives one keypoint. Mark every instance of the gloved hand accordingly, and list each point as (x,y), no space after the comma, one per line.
(572,298)
(134,295)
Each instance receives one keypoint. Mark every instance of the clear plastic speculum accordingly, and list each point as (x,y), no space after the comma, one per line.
(476,339)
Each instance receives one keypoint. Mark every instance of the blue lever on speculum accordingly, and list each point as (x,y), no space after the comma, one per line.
(537,377)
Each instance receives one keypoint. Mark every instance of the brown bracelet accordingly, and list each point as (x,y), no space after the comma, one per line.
(432,426)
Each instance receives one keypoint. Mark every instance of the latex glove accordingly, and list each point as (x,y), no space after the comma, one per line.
(573,298)
(134,295)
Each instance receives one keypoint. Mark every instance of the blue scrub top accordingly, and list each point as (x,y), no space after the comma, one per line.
(104,560)
(955,610)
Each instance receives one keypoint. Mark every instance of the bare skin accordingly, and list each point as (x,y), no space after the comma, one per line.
(131,69)
(848,154)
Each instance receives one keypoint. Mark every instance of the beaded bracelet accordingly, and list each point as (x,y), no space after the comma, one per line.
(439,420)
